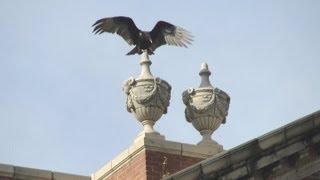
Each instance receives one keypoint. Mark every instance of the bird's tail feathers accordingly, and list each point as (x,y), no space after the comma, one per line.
(133,51)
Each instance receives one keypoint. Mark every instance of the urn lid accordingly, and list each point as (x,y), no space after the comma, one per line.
(204,74)
(145,66)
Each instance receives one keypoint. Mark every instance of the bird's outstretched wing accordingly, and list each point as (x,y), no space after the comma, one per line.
(124,26)
(166,33)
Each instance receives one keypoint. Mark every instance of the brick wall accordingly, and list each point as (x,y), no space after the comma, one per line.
(134,169)
(148,165)
(174,163)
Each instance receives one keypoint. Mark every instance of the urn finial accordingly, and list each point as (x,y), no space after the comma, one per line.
(205,73)
(206,108)
(145,66)
(147,98)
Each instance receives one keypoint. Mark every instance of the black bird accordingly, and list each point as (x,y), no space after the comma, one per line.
(162,33)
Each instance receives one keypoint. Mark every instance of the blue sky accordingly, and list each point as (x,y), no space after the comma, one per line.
(61,103)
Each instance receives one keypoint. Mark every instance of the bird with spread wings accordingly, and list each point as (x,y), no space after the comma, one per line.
(162,33)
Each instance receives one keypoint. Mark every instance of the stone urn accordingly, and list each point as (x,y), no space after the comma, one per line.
(206,108)
(147,97)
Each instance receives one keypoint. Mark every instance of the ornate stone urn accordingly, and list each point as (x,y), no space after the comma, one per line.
(147,96)
(206,108)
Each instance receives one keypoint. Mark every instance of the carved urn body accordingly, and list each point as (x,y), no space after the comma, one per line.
(147,97)
(206,108)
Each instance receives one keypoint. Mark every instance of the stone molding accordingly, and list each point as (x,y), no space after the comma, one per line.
(264,152)
(17,172)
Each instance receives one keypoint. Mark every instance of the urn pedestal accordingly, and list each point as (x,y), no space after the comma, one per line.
(206,108)
(147,98)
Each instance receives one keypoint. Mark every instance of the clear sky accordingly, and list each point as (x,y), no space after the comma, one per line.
(61,103)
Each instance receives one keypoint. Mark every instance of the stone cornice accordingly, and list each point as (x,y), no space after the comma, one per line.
(17,172)
(261,152)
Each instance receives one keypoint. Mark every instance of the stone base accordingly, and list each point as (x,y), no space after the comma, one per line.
(148,152)
(149,136)
(212,145)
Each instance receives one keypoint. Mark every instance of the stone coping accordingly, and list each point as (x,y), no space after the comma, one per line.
(140,145)
(17,172)
(281,136)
